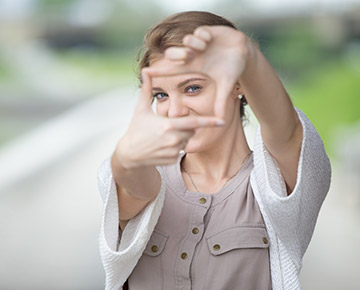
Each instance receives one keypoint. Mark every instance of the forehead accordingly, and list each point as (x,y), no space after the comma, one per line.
(165,80)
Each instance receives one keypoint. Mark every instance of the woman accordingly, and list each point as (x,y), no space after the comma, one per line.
(195,207)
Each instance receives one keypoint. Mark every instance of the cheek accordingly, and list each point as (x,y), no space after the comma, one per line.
(209,108)
(160,109)
(203,106)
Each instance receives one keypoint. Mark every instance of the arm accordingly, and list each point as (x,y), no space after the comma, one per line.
(133,195)
(281,129)
(292,217)
(150,140)
(229,57)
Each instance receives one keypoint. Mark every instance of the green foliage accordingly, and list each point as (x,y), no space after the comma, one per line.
(322,81)
(5,72)
(294,45)
(113,68)
(53,3)
(126,27)
(99,63)
(329,94)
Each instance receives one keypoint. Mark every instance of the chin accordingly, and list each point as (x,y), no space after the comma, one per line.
(203,139)
(194,146)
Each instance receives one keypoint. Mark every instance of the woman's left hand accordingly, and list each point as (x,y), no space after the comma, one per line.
(220,52)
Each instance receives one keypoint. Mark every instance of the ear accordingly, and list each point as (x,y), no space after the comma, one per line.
(237,91)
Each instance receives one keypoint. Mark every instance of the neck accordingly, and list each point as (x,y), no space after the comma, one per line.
(221,161)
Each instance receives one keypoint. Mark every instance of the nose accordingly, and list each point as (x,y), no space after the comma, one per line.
(177,108)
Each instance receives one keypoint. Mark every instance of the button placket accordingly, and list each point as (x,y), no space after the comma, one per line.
(194,235)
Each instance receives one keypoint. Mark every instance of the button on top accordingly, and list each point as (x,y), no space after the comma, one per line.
(195,231)
(265,240)
(154,248)
(183,256)
(202,200)
(216,247)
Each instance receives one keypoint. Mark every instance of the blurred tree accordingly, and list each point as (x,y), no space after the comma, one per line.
(53,3)
(52,6)
(126,26)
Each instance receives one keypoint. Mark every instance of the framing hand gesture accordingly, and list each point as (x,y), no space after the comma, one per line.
(217,51)
(155,140)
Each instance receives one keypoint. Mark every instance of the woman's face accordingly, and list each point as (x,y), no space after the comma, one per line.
(191,95)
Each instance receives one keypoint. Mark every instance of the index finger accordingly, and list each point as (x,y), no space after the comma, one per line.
(190,123)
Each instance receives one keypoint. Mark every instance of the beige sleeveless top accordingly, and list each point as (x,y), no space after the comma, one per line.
(206,241)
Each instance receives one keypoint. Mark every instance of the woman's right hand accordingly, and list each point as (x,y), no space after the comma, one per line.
(155,140)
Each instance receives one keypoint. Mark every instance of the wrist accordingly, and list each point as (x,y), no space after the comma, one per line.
(121,160)
(249,50)
(244,44)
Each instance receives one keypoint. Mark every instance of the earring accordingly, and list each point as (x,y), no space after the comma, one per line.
(240,96)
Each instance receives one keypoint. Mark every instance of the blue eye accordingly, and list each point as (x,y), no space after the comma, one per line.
(160,96)
(193,89)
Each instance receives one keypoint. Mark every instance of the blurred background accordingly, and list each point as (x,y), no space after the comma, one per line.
(68,86)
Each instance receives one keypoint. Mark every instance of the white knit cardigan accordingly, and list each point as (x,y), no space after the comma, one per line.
(289,220)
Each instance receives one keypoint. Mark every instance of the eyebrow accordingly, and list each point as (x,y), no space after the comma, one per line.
(181,84)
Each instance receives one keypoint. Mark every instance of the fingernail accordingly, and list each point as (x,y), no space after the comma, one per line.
(197,43)
(220,123)
(204,34)
(175,53)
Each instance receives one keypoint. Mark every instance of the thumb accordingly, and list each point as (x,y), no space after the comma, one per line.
(145,100)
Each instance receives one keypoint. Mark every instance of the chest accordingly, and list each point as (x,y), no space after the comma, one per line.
(205,241)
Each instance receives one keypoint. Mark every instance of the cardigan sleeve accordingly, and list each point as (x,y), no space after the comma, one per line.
(293,217)
(119,263)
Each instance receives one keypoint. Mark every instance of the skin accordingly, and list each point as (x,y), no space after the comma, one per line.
(188,118)
(150,140)
(197,98)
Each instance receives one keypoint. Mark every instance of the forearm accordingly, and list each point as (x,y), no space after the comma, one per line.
(281,128)
(267,97)
(139,182)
